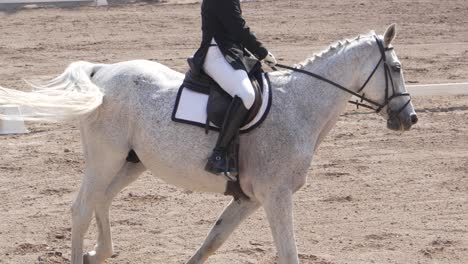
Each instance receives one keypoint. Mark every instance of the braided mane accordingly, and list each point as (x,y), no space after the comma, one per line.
(333,49)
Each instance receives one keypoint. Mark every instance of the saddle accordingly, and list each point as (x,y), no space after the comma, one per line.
(202,102)
(218,99)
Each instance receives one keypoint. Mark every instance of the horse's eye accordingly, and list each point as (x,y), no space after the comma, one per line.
(396,68)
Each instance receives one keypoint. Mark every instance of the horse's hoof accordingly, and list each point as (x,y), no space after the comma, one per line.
(86,259)
(89,258)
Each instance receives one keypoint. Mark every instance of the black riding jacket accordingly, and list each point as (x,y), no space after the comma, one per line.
(222,20)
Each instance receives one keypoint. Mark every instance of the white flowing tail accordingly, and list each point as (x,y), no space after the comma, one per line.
(70,95)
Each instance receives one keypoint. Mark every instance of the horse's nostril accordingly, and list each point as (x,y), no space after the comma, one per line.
(414,119)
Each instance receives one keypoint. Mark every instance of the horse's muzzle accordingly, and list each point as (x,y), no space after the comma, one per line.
(414,119)
(402,123)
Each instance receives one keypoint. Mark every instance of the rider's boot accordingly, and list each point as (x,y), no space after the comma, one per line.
(219,162)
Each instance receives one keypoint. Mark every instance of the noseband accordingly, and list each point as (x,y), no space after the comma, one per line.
(377,107)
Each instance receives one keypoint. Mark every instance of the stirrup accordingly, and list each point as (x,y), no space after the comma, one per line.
(229,176)
(218,166)
(209,167)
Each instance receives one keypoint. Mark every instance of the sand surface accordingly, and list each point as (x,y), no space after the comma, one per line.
(373,195)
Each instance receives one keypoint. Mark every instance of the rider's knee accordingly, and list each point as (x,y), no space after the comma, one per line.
(247,93)
(248,97)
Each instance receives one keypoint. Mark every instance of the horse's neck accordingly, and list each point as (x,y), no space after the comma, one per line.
(319,101)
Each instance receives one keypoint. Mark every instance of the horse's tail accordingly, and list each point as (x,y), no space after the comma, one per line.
(70,95)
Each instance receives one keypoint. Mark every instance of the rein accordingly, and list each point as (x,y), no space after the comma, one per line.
(377,107)
(339,86)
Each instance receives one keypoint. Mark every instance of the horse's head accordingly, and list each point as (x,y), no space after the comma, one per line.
(386,85)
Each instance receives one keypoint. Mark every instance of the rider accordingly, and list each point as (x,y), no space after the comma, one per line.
(226,37)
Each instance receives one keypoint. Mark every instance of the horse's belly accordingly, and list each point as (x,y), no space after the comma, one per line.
(176,157)
(188,177)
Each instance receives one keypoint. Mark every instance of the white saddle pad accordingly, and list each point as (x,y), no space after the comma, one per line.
(190,108)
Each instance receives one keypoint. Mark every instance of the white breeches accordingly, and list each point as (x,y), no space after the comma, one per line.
(234,82)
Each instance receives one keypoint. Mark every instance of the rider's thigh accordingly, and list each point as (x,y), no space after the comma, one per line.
(234,82)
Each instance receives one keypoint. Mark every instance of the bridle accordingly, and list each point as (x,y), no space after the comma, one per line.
(376,106)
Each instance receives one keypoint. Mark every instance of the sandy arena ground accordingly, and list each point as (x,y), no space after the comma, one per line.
(373,195)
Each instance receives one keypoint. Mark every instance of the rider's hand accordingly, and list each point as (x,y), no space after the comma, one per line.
(270,60)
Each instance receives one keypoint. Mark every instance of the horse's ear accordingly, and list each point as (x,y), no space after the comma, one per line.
(389,35)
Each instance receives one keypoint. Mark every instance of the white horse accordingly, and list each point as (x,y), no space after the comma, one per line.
(128,105)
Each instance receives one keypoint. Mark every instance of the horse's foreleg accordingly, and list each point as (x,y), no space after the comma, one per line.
(104,246)
(231,217)
(278,207)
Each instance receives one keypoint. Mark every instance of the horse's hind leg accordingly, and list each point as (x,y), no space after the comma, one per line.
(104,246)
(231,217)
(82,211)
(103,159)
(91,191)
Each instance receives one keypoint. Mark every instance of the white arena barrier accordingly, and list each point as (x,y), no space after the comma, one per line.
(38,2)
(101,2)
(11,126)
(438,89)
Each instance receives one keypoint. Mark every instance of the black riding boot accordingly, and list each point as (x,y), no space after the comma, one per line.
(219,162)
